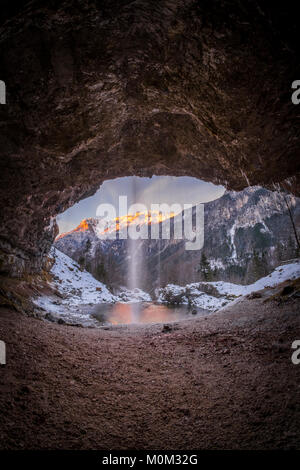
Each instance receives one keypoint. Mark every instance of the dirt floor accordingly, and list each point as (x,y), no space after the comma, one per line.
(225,381)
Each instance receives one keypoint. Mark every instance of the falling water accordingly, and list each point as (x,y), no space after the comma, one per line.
(159,250)
(133,251)
(134,263)
(136,258)
(158,264)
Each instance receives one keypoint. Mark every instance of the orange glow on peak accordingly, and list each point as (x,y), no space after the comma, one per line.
(124,221)
(82,227)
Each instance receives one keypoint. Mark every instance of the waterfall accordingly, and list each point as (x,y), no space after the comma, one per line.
(136,258)
(158,264)
(134,261)
(134,265)
(158,281)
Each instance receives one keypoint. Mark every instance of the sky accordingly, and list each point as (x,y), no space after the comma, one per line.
(158,189)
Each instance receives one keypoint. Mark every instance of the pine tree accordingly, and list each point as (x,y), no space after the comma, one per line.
(205,269)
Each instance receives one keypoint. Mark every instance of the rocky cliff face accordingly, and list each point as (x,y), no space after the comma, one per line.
(246,235)
(100,89)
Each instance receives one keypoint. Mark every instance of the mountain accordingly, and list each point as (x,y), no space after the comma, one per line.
(246,235)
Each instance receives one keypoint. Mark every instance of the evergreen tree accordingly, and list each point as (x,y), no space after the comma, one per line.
(205,269)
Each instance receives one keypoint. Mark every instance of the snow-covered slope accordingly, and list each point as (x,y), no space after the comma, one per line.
(214,295)
(77,290)
(78,286)
(280,274)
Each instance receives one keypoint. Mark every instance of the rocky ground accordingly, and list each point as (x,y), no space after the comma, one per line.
(225,381)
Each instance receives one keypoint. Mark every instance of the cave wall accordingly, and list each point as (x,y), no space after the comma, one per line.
(102,89)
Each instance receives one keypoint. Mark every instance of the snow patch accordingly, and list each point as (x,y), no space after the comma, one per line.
(216,264)
(220,293)
(133,296)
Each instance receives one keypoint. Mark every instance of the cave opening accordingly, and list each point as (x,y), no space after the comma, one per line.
(149,275)
(98,90)
(141,251)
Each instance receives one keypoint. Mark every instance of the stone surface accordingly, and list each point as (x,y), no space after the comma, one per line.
(101,89)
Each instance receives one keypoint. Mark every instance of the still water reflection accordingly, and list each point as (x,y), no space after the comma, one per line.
(120,313)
